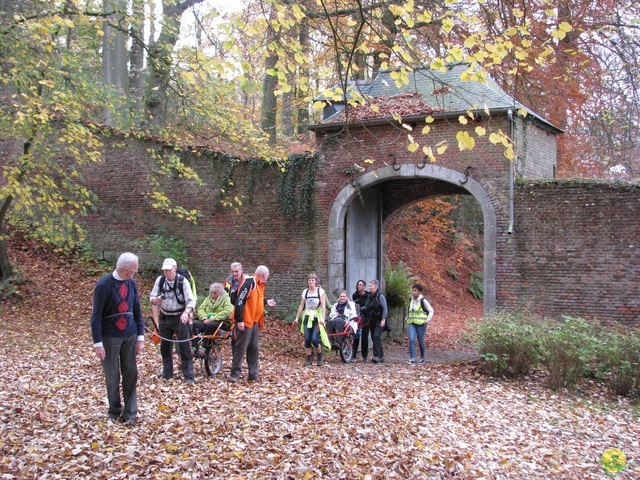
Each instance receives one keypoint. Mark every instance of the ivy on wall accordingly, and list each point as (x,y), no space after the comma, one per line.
(296,183)
(299,174)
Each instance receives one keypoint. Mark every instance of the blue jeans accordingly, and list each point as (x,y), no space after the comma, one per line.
(417,332)
(312,336)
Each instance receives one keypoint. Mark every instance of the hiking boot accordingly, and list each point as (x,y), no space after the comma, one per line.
(320,359)
(130,422)
(233,379)
(375,360)
(309,360)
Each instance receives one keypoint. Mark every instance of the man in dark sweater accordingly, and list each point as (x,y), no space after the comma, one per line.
(117,329)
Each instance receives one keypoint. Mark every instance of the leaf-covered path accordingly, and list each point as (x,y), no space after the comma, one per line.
(333,422)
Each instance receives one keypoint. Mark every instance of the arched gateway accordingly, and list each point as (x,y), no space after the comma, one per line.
(355,230)
(365,152)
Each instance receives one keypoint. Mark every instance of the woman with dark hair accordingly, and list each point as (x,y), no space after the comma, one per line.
(360,297)
(420,314)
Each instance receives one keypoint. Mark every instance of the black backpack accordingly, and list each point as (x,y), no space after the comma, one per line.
(178,288)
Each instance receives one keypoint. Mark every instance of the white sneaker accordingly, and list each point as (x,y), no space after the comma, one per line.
(411,361)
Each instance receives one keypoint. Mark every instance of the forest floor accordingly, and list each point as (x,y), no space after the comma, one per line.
(339,421)
(453,303)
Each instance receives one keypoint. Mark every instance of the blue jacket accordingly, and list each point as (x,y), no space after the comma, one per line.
(105,312)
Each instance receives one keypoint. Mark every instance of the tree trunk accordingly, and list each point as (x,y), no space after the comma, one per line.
(269,101)
(136,58)
(160,59)
(287,113)
(6,270)
(303,107)
(114,51)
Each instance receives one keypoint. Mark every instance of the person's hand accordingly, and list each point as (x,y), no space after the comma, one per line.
(185,318)
(271,302)
(100,352)
(139,347)
(383,322)
(240,326)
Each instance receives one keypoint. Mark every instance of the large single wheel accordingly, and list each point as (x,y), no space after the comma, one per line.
(213,359)
(346,350)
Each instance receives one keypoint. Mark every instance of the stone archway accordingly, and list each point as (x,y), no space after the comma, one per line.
(338,270)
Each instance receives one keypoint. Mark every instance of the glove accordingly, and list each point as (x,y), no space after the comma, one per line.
(209,315)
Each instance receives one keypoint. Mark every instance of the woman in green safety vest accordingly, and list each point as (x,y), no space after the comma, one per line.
(420,314)
(312,309)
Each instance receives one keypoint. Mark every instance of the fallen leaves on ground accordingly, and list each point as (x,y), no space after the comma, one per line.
(335,422)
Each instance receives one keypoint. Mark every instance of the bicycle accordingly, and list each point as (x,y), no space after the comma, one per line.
(212,357)
(348,336)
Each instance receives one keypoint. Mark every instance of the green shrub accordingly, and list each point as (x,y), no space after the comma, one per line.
(398,281)
(159,246)
(512,343)
(476,285)
(508,342)
(10,286)
(619,361)
(568,348)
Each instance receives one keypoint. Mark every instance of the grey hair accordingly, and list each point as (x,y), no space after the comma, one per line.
(236,264)
(216,287)
(262,270)
(126,259)
(375,282)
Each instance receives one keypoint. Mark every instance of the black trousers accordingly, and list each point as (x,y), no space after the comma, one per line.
(171,325)
(364,339)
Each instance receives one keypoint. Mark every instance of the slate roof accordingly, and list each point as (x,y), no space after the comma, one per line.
(438,92)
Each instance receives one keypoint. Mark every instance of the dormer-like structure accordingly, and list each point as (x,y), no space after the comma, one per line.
(365,150)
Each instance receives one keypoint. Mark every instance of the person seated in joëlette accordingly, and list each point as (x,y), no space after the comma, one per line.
(211,313)
(344,310)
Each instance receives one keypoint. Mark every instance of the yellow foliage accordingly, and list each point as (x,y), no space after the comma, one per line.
(465,141)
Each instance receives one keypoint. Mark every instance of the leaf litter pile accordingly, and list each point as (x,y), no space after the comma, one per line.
(438,420)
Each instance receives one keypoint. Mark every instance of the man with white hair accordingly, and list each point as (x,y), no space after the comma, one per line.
(249,318)
(117,329)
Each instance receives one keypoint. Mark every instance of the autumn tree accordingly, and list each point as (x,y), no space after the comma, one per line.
(54,98)
(48,106)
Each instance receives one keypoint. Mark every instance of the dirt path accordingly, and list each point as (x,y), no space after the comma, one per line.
(396,351)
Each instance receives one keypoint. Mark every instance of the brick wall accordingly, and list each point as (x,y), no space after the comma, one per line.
(257,234)
(575,251)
